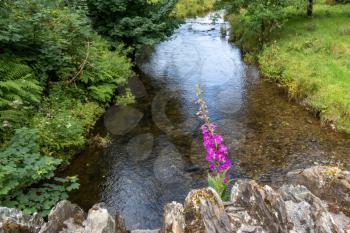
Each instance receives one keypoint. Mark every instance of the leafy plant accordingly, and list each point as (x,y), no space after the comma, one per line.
(136,23)
(22,166)
(19,91)
(41,199)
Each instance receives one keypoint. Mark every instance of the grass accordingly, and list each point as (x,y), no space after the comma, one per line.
(192,8)
(311,57)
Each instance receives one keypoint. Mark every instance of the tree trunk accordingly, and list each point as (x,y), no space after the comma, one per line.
(309,7)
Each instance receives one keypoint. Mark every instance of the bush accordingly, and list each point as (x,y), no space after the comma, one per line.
(22,166)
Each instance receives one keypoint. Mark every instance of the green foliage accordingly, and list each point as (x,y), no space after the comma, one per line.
(56,47)
(22,166)
(136,23)
(105,71)
(19,91)
(41,199)
(190,8)
(56,77)
(126,99)
(254,21)
(314,64)
(62,121)
(217,182)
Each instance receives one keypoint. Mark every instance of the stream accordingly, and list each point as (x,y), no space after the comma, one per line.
(156,154)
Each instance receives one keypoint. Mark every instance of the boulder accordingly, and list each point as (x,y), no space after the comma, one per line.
(62,212)
(305,211)
(15,221)
(261,208)
(173,218)
(205,212)
(292,208)
(102,220)
(328,183)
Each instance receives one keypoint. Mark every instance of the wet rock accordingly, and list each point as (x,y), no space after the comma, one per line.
(173,218)
(63,211)
(160,118)
(169,166)
(102,220)
(140,146)
(205,213)
(14,221)
(137,88)
(328,183)
(119,120)
(192,168)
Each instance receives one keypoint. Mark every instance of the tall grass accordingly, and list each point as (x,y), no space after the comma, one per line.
(311,57)
(191,8)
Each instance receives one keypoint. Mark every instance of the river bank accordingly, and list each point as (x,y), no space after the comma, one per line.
(310,58)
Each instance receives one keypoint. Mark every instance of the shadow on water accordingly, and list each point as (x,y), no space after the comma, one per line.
(156,155)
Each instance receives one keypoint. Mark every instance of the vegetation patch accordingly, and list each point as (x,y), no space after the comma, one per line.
(192,8)
(314,64)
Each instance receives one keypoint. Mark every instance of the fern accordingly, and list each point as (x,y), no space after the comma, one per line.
(19,91)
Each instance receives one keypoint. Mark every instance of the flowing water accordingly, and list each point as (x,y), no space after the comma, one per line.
(156,154)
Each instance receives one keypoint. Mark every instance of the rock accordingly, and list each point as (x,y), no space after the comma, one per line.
(140,147)
(119,120)
(102,220)
(63,211)
(205,213)
(328,183)
(173,218)
(305,211)
(145,231)
(262,204)
(15,221)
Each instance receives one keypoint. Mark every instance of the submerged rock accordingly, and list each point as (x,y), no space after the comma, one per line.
(119,120)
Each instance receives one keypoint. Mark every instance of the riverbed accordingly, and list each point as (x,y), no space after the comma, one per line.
(156,155)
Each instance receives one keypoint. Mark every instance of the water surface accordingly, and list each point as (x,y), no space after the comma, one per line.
(156,155)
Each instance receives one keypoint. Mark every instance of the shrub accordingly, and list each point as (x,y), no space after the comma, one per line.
(22,166)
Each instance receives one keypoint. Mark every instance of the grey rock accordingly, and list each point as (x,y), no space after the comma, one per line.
(328,183)
(205,212)
(306,212)
(63,211)
(145,231)
(265,206)
(15,221)
(173,218)
(102,220)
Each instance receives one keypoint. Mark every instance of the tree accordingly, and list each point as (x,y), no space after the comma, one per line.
(136,23)
(309,8)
